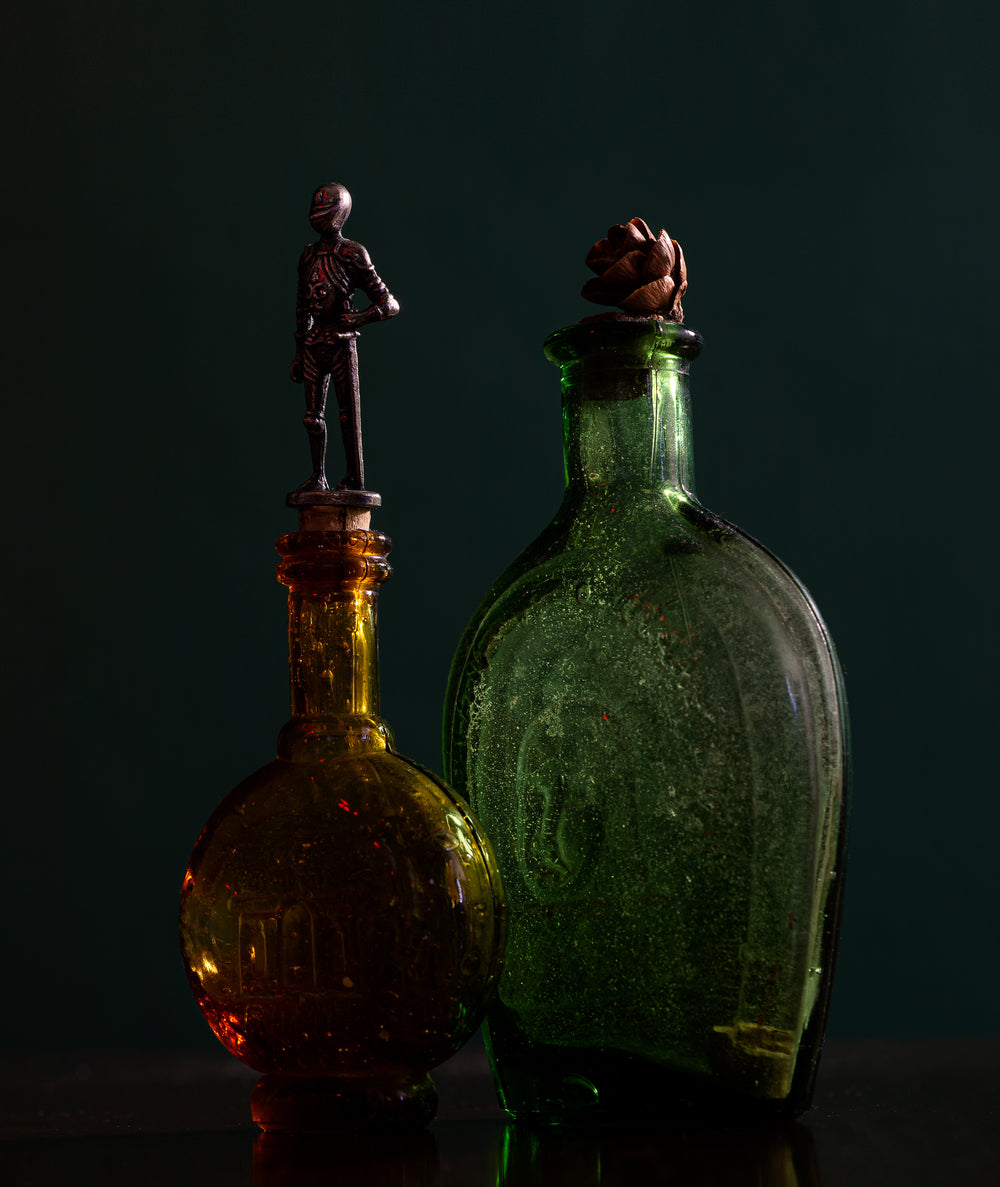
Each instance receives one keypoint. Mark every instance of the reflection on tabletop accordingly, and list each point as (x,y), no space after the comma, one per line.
(887,1112)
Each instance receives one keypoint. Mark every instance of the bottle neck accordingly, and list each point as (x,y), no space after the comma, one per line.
(333,580)
(333,655)
(626,415)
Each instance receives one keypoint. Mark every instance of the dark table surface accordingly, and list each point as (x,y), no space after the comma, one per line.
(890,1112)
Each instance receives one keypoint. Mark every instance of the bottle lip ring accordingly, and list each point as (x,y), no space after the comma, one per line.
(347,543)
(646,337)
(334,563)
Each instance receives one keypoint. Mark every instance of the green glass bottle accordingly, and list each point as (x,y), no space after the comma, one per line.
(646,714)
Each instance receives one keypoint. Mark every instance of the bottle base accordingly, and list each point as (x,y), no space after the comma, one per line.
(566,1086)
(330,1104)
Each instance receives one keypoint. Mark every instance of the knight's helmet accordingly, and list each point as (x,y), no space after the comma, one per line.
(331,204)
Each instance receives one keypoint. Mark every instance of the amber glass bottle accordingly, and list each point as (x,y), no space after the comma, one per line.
(341,919)
(646,714)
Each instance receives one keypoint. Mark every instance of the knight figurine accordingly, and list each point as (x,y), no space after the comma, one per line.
(327,325)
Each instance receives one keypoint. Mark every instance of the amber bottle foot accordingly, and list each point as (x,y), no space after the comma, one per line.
(328,1104)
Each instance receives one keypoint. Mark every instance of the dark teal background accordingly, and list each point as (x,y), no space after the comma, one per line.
(830,171)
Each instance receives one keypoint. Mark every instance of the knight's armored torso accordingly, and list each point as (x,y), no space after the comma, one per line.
(327,282)
(329,273)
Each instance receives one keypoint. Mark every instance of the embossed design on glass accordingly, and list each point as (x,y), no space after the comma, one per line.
(646,715)
(565,837)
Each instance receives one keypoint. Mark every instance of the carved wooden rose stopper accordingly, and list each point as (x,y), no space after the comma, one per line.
(642,273)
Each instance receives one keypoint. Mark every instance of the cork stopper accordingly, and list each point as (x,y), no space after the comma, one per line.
(335,519)
(334,510)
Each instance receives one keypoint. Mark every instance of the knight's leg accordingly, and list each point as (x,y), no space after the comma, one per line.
(345,382)
(315,384)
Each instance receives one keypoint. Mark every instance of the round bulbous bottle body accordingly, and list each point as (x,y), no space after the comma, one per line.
(341,918)
(646,714)
(337,920)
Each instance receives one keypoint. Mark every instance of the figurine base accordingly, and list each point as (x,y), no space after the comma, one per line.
(329,1104)
(333,498)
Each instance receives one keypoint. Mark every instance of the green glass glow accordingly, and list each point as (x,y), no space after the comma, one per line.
(646,714)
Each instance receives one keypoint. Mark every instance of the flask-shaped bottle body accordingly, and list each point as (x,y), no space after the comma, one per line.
(341,918)
(647,716)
